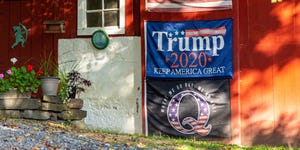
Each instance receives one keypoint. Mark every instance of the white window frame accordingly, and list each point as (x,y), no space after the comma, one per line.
(82,28)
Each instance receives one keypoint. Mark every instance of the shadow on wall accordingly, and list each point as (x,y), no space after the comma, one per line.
(115,74)
(116,66)
(268,83)
(284,130)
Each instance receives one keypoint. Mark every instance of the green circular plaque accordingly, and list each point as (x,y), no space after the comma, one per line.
(100,39)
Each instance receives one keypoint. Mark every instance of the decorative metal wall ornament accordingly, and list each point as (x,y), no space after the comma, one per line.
(21,35)
(100,39)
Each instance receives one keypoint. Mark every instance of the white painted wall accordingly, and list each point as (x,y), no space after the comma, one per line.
(114,100)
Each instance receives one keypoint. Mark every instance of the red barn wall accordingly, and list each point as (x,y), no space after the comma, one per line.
(264,89)
(266,56)
(267,72)
(32,14)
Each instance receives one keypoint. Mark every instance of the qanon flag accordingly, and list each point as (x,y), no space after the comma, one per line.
(197,109)
(187,5)
(189,49)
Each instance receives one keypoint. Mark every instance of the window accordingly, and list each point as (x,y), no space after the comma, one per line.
(108,15)
(276,1)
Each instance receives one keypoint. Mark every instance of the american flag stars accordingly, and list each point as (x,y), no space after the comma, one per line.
(198,124)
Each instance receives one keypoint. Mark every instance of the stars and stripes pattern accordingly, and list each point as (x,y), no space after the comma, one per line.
(199,125)
(187,5)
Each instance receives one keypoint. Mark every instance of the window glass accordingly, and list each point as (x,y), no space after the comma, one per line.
(93,4)
(94,19)
(108,4)
(109,18)
(108,15)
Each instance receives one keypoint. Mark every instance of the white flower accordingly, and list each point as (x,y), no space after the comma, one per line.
(14,60)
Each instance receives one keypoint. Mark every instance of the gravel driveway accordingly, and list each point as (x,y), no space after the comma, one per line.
(24,134)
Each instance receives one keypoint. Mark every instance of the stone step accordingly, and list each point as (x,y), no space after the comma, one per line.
(53,107)
(36,114)
(72,114)
(19,103)
(52,99)
(75,103)
(11,114)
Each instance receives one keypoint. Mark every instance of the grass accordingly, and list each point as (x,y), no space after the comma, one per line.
(142,141)
(162,142)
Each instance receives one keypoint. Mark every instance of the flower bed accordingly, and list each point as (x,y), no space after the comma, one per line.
(16,86)
(24,79)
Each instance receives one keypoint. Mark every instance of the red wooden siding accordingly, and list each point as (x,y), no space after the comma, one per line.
(269,60)
(265,87)
(32,14)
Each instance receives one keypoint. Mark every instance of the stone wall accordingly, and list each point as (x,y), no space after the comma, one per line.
(46,108)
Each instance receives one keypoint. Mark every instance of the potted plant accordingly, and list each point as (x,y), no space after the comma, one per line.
(73,83)
(63,86)
(77,83)
(16,80)
(50,79)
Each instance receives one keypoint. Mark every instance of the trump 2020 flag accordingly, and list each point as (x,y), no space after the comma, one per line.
(198,109)
(189,49)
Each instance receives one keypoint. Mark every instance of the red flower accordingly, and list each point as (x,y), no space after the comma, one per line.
(29,67)
(40,72)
